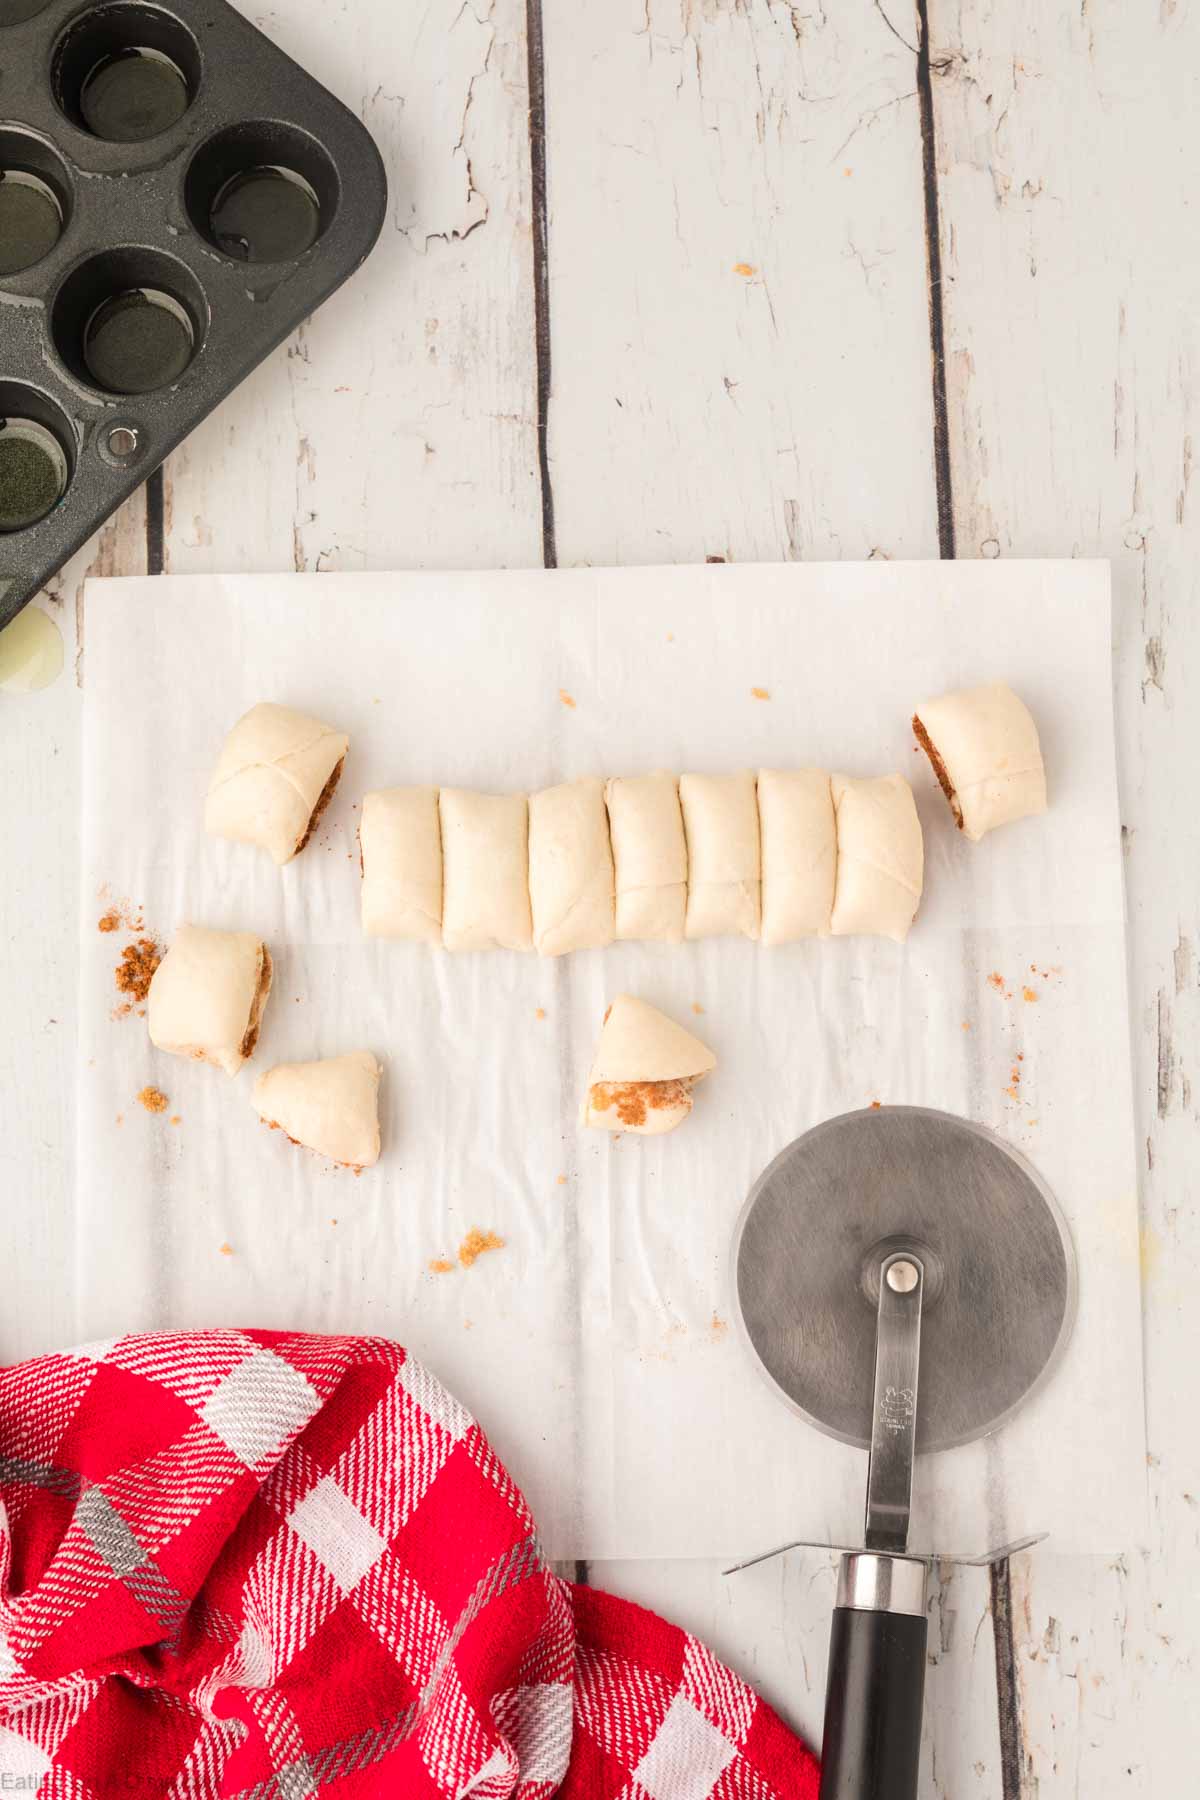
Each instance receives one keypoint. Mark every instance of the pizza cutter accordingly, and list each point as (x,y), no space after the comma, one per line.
(905,1281)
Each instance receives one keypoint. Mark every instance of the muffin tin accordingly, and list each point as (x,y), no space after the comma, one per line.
(176,195)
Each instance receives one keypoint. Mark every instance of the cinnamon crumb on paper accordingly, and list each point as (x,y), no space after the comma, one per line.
(877,1106)
(697,1008)
(225,1249)
(567,699)
(744,268)
(439,1266)
(718,1327)
(560,1181)
(175,1119)
(475,1244)
(109,921)
(1028,994)
(540,1013)
(154,1100)
(135,971)
(761,693)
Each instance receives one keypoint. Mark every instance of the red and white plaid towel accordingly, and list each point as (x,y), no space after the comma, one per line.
(275,1566)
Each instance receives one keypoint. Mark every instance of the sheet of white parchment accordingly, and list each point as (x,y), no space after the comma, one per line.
(598,1346)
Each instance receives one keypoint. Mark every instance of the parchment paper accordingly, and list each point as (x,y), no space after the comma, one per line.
(598,1347)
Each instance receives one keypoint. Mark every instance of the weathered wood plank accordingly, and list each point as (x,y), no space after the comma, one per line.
(737,283)
(396,428)
(1067,168)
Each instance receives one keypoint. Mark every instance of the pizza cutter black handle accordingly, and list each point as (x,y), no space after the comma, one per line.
(876,1682)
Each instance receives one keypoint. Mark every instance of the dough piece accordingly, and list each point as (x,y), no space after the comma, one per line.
(644,1071)
(984,748)
(649,857)
(274,778)
(880,857)
(485,871)
(331,1107)
(720,818)
(207,996)
(570,868)
(799,853)
(400,843)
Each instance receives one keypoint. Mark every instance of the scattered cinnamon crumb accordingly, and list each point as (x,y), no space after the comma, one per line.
(1011,1092)
(540,1013)
(760,693)
(175,1119)
(1014,1075)
(475,1244)
(439,1266)
(996,980)
(135,971)
(1031,1121)
(697,1008)
(744,269)
(966,1024)
(567,699)
(109,921)
(718,1326)
(877,1106)
(670,637)
(120,1118)
(1029,993)
(561,1181)
(154,1100)
(226,1249)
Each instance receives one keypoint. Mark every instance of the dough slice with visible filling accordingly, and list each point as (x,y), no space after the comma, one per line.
(208,994)
(983,745)
(485,871)
(880,857)
(400,843)
(720,821)
(644,1070)
(275,776)
(331,1106)
(570,868)
(650,865)
(799,853)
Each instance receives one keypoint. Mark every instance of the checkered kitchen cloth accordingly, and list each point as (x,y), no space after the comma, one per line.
(267,1565)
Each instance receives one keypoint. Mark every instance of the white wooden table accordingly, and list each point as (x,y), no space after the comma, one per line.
(750,279)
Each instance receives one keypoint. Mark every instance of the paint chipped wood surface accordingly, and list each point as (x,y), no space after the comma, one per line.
(736,361)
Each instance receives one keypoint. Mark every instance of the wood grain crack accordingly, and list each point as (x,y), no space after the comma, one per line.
(535,51)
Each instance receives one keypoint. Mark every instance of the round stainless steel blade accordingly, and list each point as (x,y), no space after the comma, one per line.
(1000,1286)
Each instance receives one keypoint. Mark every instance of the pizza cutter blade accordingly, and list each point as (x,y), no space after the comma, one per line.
(904,1281)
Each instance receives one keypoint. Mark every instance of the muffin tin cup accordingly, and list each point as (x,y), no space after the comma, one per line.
(161,268)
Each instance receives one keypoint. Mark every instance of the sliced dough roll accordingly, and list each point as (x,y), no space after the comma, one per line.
(649,857)
(207,996)
(644,1070)
(400,841)
(984,748)
(799,853)
(485,871)
(880,857)
(720,819)
(331,1107)
(274,778)
(570,868)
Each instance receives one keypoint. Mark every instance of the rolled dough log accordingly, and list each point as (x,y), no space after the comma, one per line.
(207,996)
(799,853)
(330,1106)
(485,871)
(880,857)
(274,778)
(570,868)
(649,857)
(644,1070)
(720,820)
(984,748)
(400,839)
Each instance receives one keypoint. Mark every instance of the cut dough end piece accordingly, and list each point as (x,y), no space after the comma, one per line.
(880,857)
(208,995)
(648,1108)
(983,746)
(331,1106)
(276,775)
(644,1070)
